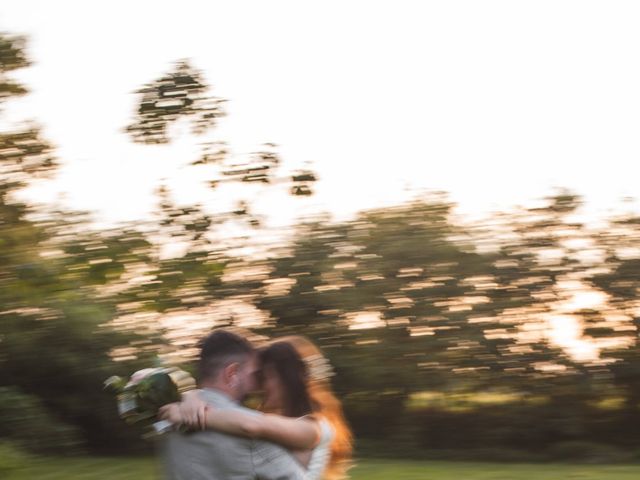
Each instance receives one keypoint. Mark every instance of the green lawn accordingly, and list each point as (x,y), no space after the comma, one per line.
(146,469)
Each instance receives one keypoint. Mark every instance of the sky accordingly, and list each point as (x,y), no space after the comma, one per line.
(495,102)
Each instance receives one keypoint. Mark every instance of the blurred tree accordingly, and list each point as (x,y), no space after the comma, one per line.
(12,57)
(178,94)
(190,278)
(385,295)
(55,275)
(29,424)
(182,96)
(405,302)
(421,283)
(618,325)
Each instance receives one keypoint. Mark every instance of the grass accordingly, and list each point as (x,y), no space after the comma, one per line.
(92,468)
(415,470)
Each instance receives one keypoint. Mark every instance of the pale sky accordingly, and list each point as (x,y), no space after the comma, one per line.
(496,102)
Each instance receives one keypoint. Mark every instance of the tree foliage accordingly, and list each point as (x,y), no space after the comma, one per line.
(441,332)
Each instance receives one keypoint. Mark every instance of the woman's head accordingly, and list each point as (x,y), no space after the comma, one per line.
(284,380)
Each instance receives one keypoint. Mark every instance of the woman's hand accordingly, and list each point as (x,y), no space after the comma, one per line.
(171,412)
(190,412)
(194,411)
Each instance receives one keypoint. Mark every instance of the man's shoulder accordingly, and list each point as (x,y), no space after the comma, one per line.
(215,397)
(222,401)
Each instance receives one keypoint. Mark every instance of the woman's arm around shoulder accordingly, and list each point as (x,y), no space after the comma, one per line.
(292,433)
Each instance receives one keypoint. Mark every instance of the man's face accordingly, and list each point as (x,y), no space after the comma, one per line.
(247,376)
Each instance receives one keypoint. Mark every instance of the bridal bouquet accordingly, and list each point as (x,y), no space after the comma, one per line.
(141,396)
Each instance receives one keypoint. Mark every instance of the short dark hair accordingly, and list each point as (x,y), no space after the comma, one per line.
(219,349)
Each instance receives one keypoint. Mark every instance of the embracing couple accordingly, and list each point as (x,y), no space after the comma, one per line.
(299,432)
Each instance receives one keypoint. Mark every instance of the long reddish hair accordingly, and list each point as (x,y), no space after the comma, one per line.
(325,404)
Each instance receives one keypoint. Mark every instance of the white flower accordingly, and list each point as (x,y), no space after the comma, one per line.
(140,375)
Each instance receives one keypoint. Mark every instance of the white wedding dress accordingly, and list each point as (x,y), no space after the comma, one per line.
(321,453)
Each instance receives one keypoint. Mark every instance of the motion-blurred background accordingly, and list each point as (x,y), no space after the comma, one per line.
(442,195)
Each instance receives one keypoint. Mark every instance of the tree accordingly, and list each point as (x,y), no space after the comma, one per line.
(54,280)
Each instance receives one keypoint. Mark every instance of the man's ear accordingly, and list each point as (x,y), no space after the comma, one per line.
(231,373)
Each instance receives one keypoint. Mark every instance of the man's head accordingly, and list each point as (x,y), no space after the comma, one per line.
(227,363)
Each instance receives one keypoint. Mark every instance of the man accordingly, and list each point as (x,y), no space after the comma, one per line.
(227,372)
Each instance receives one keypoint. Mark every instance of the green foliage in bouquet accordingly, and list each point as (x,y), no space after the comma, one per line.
(140,397)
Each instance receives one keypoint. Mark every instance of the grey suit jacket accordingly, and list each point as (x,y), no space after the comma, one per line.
(213,455)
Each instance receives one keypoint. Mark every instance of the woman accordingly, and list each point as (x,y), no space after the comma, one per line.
(301,411)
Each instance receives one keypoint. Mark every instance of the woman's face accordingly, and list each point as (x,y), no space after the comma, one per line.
(274,392)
